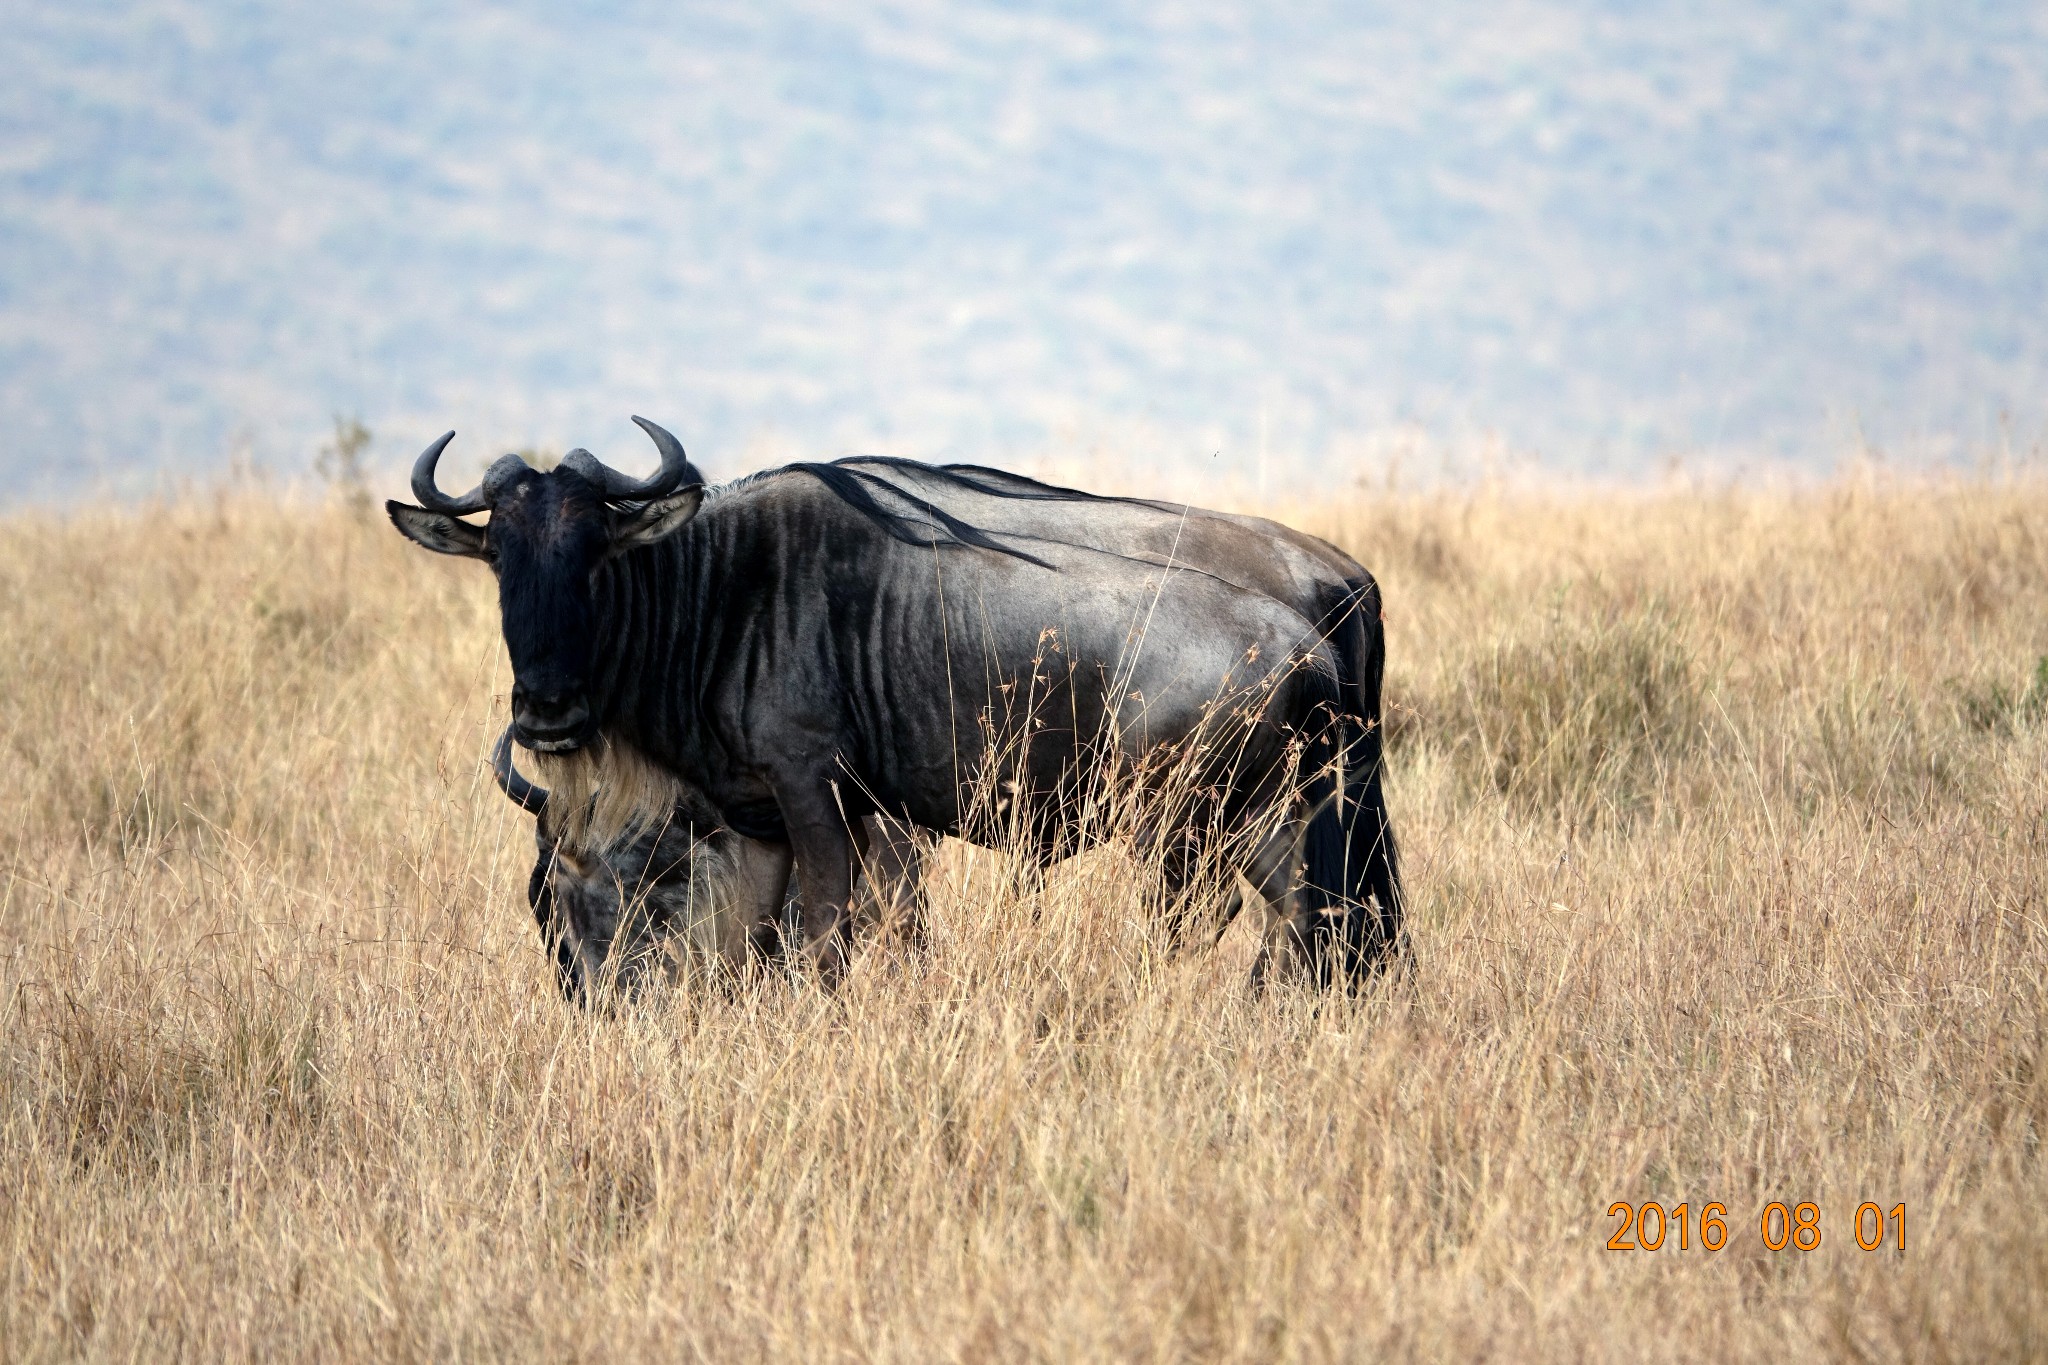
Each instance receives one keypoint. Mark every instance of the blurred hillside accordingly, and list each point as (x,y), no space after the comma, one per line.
(1599,234)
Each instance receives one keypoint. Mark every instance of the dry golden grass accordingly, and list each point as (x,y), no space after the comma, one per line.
(1726,834)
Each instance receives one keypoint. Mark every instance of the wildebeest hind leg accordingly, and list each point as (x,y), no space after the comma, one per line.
(1274,872)
(1186,906)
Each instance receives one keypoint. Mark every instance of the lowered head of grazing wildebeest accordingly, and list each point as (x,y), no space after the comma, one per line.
(819,644)
(650,898)
(644,897)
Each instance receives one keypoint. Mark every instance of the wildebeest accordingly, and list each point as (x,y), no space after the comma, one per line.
(609,908)
(820,642)
(675,890)
(1318,581)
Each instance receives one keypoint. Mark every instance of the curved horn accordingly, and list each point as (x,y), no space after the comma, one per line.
(524,794)
(477,499)
(429,494)
(676,470)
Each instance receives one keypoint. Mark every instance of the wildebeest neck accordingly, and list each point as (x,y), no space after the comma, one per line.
(649,612)
(689,624)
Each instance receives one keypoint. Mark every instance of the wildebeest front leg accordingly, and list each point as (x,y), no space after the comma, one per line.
(766,892)
(892,864)
(825,853)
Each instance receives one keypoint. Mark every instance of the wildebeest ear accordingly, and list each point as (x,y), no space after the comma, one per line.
(662,517)
(437,531)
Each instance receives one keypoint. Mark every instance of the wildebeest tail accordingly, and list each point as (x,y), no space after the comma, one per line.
(1326,903)
(1370,869)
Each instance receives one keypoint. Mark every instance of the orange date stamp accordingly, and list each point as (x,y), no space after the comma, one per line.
(1649,1226)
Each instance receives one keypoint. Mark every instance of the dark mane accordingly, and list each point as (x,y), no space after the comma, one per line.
(994,483)
(859,481)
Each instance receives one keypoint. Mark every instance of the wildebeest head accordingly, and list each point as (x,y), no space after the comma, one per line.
(617,911)
(614,908)
(548,535)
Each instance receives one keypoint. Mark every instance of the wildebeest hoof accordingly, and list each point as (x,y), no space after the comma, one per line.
(829,957)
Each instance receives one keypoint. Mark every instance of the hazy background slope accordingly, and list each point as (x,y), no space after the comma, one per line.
(1604,233)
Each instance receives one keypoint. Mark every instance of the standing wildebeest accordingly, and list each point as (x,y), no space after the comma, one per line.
(811,647)
(646,880)
(611,909)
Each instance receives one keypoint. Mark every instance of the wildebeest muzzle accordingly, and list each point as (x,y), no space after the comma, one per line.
(551,722)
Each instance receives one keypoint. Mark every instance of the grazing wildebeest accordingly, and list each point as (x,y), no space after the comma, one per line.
(811,646)
(614,910)
(609,908)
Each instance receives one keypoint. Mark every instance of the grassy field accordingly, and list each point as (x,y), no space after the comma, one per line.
(1726,832)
